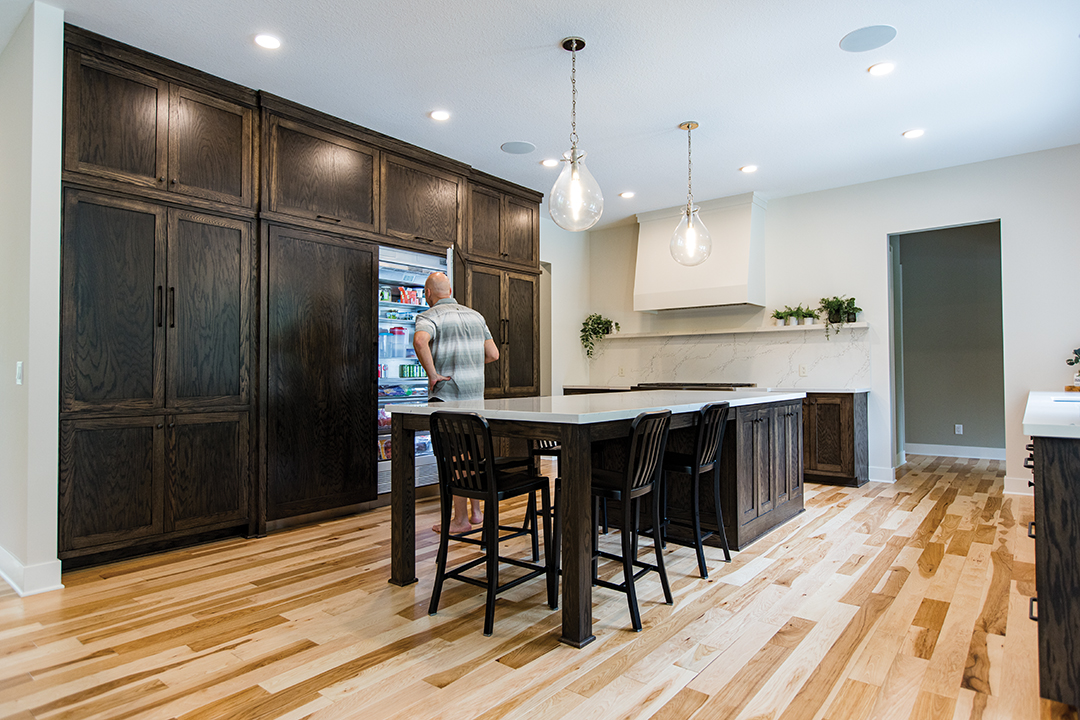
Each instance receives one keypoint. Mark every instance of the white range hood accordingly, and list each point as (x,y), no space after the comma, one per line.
(734,274)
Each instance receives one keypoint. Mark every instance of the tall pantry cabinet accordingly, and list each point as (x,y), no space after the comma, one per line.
(157,306)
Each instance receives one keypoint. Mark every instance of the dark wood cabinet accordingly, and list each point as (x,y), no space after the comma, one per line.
(155,308)
(503,228)
(129,479)
(320,347)
(836,440)
(510,303)
(761,470)
(320,175)
(1057,567)
(135,127)
(421,204)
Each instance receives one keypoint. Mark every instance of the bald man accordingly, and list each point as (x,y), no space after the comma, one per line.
(453,343)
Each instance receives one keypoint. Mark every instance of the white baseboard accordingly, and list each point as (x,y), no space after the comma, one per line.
(29,579)
(1018,486)
(882,474)
(956,451)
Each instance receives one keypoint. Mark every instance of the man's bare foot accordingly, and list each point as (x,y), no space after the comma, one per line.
(477,517)
(455,527)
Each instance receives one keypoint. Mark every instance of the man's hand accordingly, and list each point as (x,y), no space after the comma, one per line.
(432,379)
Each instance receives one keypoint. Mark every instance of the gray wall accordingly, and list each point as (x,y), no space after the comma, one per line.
(953,360)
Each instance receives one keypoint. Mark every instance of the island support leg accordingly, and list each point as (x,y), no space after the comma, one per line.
(402,503)
(576,508)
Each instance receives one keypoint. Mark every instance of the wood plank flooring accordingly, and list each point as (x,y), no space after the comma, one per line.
(905,601)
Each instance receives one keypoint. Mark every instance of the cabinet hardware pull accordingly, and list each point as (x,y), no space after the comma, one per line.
(159,310)
(172,307)
(172,424)
(1031,529)
(1029,462)
(160,425)
(173,181)
(328,218)
(161,179)
(421,238)
(1031,483)
(1031,608)
(1031,447)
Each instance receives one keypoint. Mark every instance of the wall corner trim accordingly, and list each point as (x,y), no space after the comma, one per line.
(29,579)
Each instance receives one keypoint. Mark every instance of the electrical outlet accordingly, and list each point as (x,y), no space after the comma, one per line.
(18,372)
(802,371)
(959,429)
(622,372)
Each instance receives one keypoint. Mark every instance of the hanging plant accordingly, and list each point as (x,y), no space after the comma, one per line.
(595,327)
(837,311)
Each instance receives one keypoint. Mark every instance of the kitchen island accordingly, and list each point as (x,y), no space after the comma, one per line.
(765,457)
(1052,419)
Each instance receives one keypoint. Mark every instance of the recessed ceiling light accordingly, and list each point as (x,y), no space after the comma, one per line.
(440,115)
(550,162)
(912,134)
(268,41)
(881,68)
(628,194)
(748,168)
(517,147)
(868,38)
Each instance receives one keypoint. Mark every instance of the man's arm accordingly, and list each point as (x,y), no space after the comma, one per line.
(422,345)
(491,352)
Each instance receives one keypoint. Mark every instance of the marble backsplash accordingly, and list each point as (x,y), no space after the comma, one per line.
(768,358)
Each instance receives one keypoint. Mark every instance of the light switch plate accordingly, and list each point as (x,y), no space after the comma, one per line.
(18,372)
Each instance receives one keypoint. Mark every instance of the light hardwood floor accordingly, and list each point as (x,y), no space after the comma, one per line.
(891,601)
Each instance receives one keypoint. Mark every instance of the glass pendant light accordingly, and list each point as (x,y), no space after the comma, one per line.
(691,244)
(576,202)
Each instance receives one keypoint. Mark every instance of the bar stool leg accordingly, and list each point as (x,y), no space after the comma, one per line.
(719,514)
(440,561)
(698,540)
(660,558)
(629,553)
(491,530)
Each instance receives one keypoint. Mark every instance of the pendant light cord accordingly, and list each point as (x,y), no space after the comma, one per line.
(573,106)
(689,175)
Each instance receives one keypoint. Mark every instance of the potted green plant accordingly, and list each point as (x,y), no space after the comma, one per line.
(780,316)
(595,327)
(789,312)
(837,311)
(809,315)
(1074,361)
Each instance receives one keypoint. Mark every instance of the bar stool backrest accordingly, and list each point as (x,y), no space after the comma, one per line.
(711,421)
(463,450)
(648,438)
(546,444)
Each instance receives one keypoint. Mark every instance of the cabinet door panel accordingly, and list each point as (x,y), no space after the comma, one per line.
(420,203)
(208,470)
(209,147)
(208,309)
(764,487)
(110,488)
(112,286)
(827,422)
(485,296)
(522,232)
(522,367)
(116,122)
(321,176)
(746,491)
(485,213)
(320,373)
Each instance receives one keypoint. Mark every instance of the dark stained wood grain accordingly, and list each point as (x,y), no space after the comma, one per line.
(110,480)
(522,349)
(521,229)
(485,223)
(320,399)
(208,479)
(1057,580)
(484,294)
(210,147)
(112,290)
(208,310)
(836,439)
(421,203)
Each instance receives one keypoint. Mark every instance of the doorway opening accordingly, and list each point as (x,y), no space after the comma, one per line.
(948,356)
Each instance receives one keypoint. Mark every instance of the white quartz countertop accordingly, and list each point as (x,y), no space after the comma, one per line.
(1052,414)
(600,407)
(835,391)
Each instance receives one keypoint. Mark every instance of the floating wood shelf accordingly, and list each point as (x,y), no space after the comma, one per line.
(819,327)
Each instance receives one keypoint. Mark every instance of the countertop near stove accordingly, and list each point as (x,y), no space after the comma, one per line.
(1052,414)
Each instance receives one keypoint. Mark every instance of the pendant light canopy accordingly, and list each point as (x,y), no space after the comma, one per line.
(691,244)
(576,202)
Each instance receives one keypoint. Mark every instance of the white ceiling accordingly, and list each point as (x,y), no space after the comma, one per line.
(766,80)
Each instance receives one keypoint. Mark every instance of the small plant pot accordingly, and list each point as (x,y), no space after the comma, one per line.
(780,322)
(834,318)
(793,321)
(850,317)
(1076,380)
(808,321)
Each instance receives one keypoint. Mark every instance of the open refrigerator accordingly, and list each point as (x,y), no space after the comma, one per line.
(401,378)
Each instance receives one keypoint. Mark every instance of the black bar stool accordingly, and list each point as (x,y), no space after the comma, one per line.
(467,468)
(710,422)
(647,439)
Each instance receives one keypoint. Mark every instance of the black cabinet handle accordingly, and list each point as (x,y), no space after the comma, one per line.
(1031,483)
(1031,529)
(1031,609)
(328,218)
(160,425)
(159,310)
(172,307)
(421,238)
(1029,462)
(1031,447)
(172,424)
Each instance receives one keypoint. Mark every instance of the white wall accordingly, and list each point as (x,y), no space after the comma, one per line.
(835,242)
(568,255)
(31,85)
